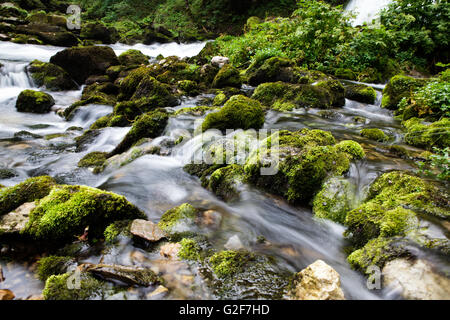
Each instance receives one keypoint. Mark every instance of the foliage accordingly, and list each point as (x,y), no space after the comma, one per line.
(438,162)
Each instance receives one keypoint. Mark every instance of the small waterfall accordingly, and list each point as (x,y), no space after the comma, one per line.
(13,74)
(366,10)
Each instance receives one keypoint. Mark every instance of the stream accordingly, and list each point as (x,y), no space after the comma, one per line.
(158,183)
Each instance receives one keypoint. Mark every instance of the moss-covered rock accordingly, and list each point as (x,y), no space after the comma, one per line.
(27,191)
(399,87)
(7,173)
(117,229)
(239,112)
(392,208)
(361,93)
(93,159)
(188,87)
(99,32)
(34,102)
(133,58)
(68,210)
(347,74)
(83,62)
(51,76)
(287,97)
(228,263)
(271,70)
(149,125)
(57,288)
(53,265)
(225,182)
(336,198)
(150,94)
(100,93)
(228,76)
(299,163)
(179,219)
(374,134)
(336,91)
(419,134)
(189,250)
(194,111)
(352,148)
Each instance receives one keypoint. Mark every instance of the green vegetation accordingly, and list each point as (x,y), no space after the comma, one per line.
(374,134)
(53,265)
(361,93)
(173,217)
(56,288)
(228,263)
(93,159)
(438,164)
(190,250)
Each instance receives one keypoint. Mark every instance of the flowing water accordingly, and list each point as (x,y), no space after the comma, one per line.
(366,10)
(158,183)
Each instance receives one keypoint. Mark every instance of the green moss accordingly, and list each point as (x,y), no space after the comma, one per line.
(228,76)
(239,112)
(224,181)
(306,159)
(436,134)
(56,288)
(347,74)
(7,173)
(151,94)
(286,97)
(335,200)
(190,250)
(93,159)
(374,134)
(53,265)
(116,229)
(361,93)
(30,190)
(195,111)
(220,99)
(271,70)
(189,87)
(399,87)
(336,91)
(228,263)
(376,252)
(68,210)
(172,217)
(133,58)
(51,76)
(100,93)
(34,102)
(130,83)
(149,125)
(352,148)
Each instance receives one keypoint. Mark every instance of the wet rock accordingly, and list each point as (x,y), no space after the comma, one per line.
(219,61)
(14,222)
(159,292)
(134,276)
(416,280)
(82,62)
(147,230)
(6,294)
(170,250)
(361,93)
(318,281)
(51,76)
(34,102)
(234,243)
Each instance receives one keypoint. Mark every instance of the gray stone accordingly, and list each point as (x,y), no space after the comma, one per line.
(147,230)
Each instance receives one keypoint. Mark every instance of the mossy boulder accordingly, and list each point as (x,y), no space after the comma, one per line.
(395,199)
(100,93)
(129,84)
(336,198)
(361,93)
(28,191)
(179,219)
(374,134)
(68,210)
(53,265)
(133,58)
(9,9)
(99,32)
(399,87)
(149,125)
(343,73)
(194,111)
(271,70)
(228,76)
(225,182)
(230,262)
(336,91)
(93,159)
(351,148)
(51,76)
(34,102)
(57,288)
(282,96)
(239,112)
(419,134)
(188,87)
(297,165)
(83,62)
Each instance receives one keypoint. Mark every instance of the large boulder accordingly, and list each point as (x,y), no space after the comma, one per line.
(133,58)
(361,93)
(318,281)
(82,62)
(239,112)
(399,87)
(296,164)
(98,31)
(51,76)
(228,76)
(34,102)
